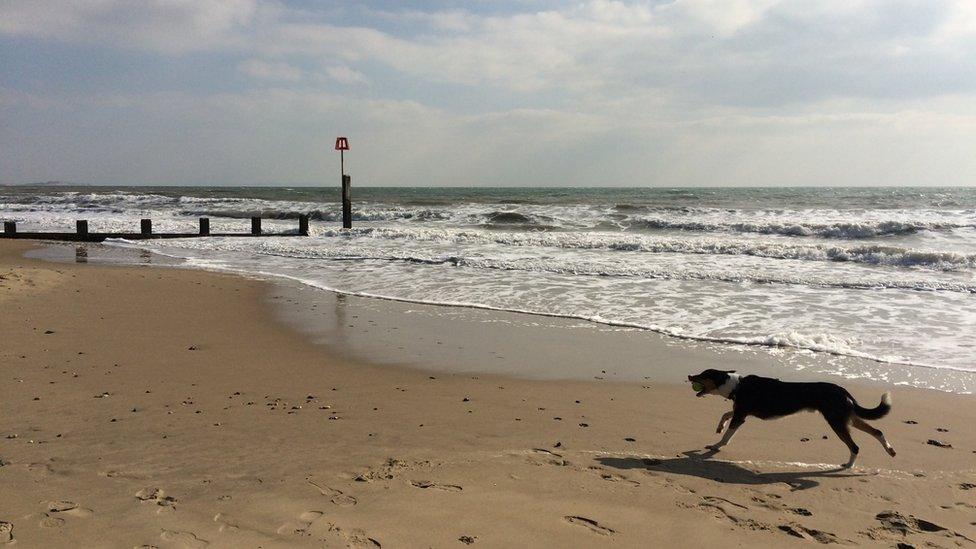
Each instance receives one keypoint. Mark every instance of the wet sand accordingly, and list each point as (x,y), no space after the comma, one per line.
(165,407)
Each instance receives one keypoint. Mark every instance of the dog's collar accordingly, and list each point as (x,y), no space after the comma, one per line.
(733,383)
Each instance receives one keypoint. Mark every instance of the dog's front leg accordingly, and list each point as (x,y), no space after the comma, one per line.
(727,437)
(721,422)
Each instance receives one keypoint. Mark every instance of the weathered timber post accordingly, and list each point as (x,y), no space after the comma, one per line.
(255,226)
(81,227)
(346,202)
(146,227)
(10,227)
(303,225)
(204,226)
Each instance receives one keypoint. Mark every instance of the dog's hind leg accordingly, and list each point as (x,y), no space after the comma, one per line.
(721,422)
(839,425)
(859,423)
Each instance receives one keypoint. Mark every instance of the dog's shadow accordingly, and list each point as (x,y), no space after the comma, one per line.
(696,463)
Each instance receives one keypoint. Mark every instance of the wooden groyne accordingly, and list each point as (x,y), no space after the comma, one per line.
(82,234)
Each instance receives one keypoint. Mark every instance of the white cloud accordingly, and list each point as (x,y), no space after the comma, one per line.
(722,17)
(167,26)
(270,70)
(345,75)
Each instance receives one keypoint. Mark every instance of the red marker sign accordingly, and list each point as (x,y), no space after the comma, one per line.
(342,144)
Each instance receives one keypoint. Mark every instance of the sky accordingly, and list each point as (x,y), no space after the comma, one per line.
(490,93)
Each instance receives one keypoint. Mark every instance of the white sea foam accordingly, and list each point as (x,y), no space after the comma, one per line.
(873,254)
(569,262)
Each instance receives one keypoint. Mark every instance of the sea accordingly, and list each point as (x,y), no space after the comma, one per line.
(883,274)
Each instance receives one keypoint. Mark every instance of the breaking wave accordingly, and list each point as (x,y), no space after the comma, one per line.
(848,230)
(870,254)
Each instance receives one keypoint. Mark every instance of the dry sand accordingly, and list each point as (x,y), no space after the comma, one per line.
(163,407)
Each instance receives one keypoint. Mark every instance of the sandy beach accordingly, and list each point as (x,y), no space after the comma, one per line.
(164,407)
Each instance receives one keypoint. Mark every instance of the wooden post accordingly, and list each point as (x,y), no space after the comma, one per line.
(255,225)
(346,201)
(342,145)
(303,225)
(81,227)
(204,226)
(146,227)
(10,227)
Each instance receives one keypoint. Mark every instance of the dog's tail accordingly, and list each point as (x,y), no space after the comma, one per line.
(873,413)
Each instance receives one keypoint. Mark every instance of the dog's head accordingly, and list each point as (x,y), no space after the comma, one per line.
(711,380)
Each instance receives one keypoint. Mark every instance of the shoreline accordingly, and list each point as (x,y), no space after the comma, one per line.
(298,303)
(173,410)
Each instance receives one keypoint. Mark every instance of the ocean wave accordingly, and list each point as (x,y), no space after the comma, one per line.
(505,218)
(96,200)
(582,268)
(330,215)
(575,266)
(870,254)
(838,230)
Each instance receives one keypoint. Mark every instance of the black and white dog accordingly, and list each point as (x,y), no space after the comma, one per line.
(768,398)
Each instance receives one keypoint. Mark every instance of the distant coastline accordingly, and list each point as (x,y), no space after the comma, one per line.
(46,184)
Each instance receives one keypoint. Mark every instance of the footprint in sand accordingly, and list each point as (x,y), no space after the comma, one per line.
(51,522)
(337,496)
(590,525)
(343,500)
(428,484)
(613,477)
(390,469)
(893,522)
(355,537)
(541,456)
(157,496)
(6,532)
(183,539)
(226,524)
(958,504)
(300,525)
(308,524)
(715,500)
(68,508)
(780,507)
(40,469)
(808,534)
